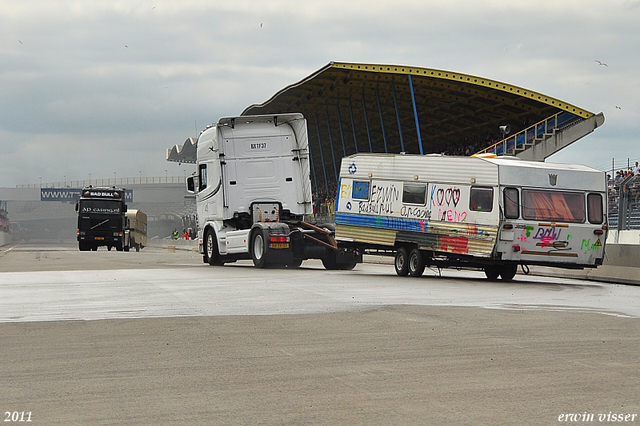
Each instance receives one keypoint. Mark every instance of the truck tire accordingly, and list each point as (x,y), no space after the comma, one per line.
(83,246)
(508,272)
(294,264)
(258,249)
(347,266)
(415,265)
(401,262)
(126,248)
(330,262)
(211,254)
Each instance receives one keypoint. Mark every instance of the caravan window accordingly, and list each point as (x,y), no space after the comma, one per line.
(202,177)
(481,199)
(511,203)
(553,205)
(360,190)
(594,204)
(414,194)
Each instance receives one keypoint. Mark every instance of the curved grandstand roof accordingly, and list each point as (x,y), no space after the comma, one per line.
(353,108)
(444,107)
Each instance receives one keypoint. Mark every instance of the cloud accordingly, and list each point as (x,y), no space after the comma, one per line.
(74,100)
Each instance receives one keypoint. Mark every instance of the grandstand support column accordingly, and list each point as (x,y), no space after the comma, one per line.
(324,168)
(415,114)
(344,147)
(395,103)
(562,138)
(333,155)
(366,122)
(353,126)
(384,135)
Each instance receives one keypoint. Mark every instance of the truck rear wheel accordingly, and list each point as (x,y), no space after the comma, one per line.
(401,262)
(295,263)
(258,249)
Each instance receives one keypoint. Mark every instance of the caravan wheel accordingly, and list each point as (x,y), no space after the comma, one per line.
(492,272)
(508,272)
(401,262)
(416,263)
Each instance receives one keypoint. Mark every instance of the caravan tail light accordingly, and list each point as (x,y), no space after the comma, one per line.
(507,226)
(600,231)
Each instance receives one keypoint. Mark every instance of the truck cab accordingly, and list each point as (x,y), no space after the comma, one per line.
(253,190)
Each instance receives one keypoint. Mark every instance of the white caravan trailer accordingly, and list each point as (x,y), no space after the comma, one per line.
(253,190)
(487,213)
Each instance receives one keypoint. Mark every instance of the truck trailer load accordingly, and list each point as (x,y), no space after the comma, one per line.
(135,233)
(467,212)
(253,191)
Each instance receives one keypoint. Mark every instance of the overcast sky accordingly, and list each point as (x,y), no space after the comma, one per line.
(102,88)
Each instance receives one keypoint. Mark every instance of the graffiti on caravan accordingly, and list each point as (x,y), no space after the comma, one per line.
(446,200)
(72,194)
(381,200)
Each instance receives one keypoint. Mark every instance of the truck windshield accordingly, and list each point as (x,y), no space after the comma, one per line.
(107,207)
(553,205)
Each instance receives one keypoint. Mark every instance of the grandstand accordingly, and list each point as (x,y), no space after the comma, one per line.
(353,108)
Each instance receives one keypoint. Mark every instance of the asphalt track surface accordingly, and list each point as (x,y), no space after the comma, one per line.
(158,338)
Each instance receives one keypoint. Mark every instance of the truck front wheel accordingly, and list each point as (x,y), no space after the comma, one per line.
(211,254)
(258,249)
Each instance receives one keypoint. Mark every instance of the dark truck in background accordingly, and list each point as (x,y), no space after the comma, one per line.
(101,218)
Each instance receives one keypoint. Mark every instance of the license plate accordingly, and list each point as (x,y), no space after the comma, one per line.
(279,245)
(99,238)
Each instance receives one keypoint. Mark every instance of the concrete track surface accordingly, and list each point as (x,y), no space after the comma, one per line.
(158,338)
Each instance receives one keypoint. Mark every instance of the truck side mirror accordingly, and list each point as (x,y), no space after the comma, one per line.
(76,206)
(191,185)
(124,210)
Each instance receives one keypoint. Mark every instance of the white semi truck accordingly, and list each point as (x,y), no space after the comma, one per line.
(253,191)
(466,212)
